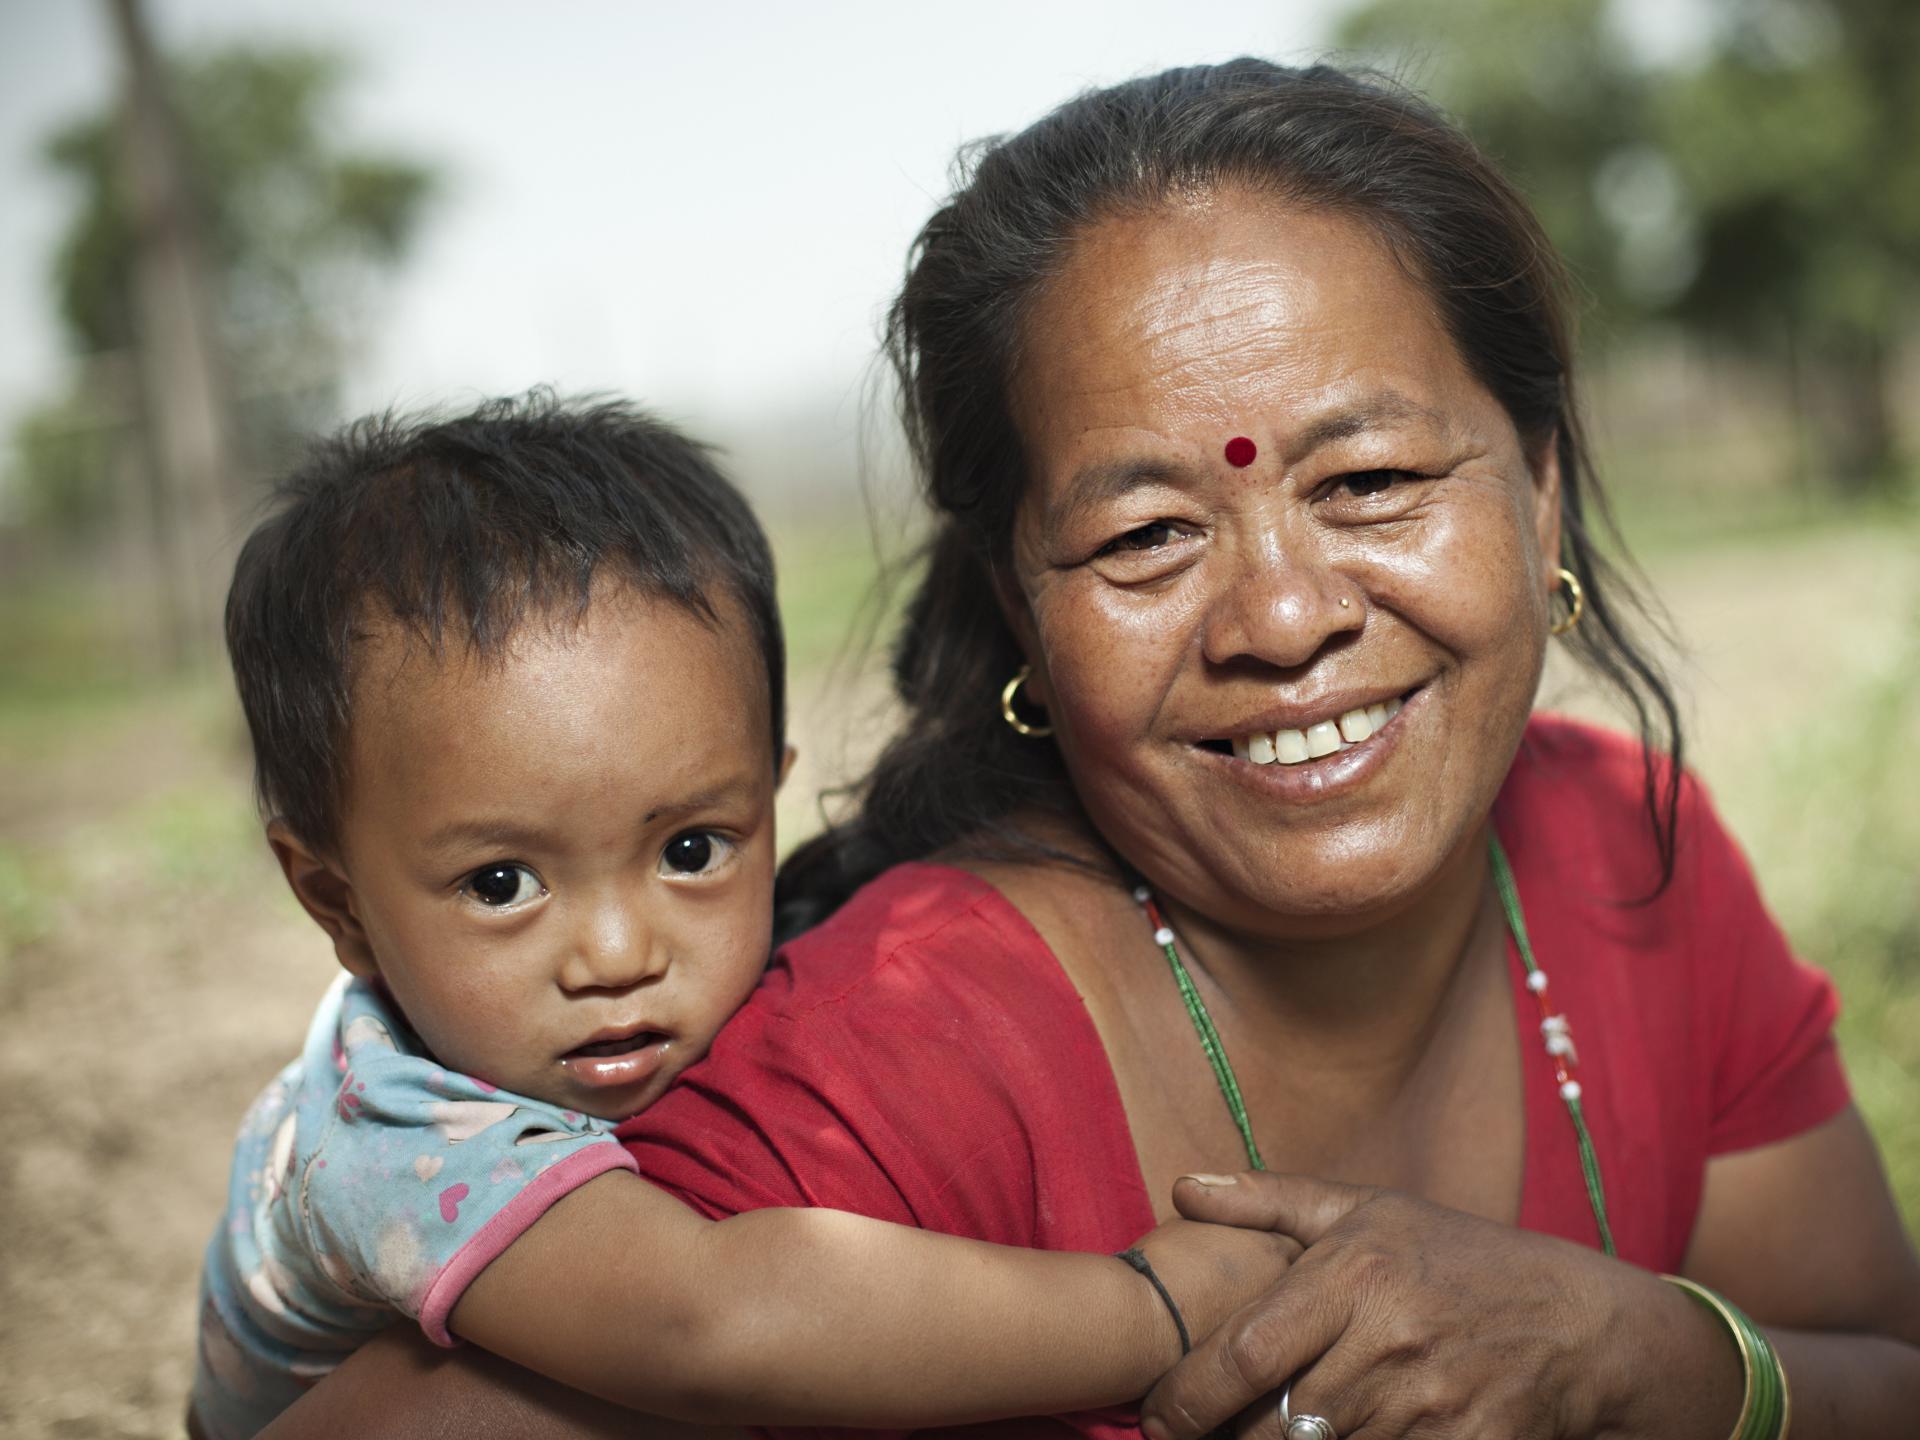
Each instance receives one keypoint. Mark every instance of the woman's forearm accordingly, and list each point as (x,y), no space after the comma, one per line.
(1681,1374)
(1849,1387)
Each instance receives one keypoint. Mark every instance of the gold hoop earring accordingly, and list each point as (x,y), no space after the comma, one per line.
(1577,606)
(1021,727)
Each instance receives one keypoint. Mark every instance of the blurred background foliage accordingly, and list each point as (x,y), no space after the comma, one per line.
(1761,195)
(292,227)
(221,197)
(1741,212)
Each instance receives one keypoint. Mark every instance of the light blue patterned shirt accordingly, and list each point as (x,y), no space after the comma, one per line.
(369,1184)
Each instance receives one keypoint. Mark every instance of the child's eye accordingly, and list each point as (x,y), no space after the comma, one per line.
(694,852)
(500,886)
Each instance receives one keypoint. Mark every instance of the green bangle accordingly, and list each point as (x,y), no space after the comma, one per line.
(1766,1409)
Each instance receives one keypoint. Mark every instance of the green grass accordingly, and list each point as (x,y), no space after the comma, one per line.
(828,597)
(197,836)
(1664,502)
(25,891)
(1838,830)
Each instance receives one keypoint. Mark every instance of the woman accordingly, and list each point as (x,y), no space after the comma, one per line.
(1245,398)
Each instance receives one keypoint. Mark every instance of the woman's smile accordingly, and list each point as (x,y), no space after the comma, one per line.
(1313,759)
(1320,730)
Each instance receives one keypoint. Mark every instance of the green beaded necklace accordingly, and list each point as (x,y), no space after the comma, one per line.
(1554,1031)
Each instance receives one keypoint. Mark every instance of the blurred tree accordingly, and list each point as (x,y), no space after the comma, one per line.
(292,223)
(293,227)
(1797,144)
(186,435)
(1546,87)
(65,445)
(1765,191)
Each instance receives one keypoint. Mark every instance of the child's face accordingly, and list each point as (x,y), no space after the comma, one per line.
(561,862)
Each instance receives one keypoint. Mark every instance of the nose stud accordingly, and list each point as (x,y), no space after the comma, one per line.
(1345,602)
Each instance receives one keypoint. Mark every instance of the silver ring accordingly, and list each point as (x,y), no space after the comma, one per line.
(1302,1427)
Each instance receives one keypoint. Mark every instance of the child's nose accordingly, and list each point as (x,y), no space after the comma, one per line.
(615,950)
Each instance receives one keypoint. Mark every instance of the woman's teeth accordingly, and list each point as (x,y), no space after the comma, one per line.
(1290,747)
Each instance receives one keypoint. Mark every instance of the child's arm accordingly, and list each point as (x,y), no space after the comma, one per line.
(821,1317)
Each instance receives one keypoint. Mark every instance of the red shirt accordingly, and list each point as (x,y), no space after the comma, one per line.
(922,1057)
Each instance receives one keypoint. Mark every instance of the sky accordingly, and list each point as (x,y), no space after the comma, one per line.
(707,206)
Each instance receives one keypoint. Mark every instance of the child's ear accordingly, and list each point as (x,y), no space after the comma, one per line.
(326,894)
(787,756)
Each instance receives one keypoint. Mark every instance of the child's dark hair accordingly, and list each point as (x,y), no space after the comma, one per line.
(464,528)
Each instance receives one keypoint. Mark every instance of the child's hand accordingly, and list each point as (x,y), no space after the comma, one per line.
(1213,1270)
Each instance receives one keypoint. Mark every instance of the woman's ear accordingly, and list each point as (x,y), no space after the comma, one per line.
(1546,504)
(325,893)
(1018,614)
(787,756)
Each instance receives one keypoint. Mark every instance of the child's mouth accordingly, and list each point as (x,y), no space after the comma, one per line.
(618,1045)
(630,1057)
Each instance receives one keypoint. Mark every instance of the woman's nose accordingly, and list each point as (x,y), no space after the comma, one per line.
(614,949)
(1279,600)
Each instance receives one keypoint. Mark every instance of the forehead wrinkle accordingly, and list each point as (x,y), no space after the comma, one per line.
(1239,341)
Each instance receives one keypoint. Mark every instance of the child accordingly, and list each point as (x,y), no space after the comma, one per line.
(515,686)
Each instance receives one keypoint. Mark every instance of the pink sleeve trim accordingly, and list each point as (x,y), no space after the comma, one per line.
(508,1225)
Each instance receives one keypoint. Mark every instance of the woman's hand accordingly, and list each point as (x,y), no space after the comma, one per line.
(1403,1318)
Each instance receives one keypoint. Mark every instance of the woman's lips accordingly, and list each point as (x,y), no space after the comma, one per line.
(1317,738)
(1332,763)
(620,1060)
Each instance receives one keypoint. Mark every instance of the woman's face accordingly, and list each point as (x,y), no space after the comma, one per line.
(1185,616)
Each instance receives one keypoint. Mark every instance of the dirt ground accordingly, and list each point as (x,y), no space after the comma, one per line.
(153,974)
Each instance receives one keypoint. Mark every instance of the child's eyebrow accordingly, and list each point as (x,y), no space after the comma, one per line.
(740,787)
(505,834)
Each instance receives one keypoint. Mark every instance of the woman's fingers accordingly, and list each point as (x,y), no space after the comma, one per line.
(1400,1319)
(1296,1205)
(1253,1354)
(1342,1387)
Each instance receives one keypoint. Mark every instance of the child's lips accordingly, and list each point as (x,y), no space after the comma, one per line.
(618,1058)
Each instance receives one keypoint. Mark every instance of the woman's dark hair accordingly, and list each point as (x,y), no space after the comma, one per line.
(1355,144)
(465,527)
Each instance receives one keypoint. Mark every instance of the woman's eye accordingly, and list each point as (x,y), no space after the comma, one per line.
(1143,537)
(693,852)
(499,886)
(1371,482)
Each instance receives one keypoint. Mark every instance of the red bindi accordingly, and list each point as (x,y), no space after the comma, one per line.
(1240,452)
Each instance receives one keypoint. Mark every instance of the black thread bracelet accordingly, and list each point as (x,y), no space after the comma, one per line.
(1140,1262)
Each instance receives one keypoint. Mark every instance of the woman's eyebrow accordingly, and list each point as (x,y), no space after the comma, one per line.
(1106,480)
(1375,412)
